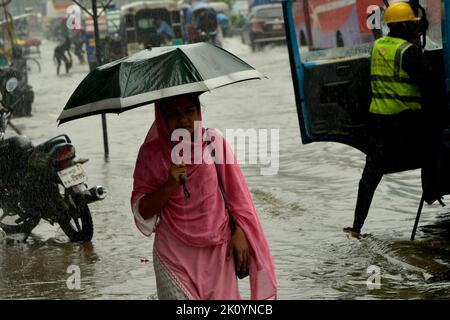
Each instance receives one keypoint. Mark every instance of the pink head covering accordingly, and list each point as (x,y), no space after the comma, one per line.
(202,219)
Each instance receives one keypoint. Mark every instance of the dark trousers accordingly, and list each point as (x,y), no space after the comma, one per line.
(370,179)
(62,57)
(398,143)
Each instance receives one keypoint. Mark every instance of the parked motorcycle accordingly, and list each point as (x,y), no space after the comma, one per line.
(46,181)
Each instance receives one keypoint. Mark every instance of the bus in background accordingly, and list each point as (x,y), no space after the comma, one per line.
(333,23)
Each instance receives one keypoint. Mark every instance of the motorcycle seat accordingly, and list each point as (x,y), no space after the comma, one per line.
(48,145)
(18,142)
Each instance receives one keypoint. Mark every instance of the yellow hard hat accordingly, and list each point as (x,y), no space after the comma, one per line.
(399,12)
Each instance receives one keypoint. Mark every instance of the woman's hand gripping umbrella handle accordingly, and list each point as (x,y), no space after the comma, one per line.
(177,176)
(185,189)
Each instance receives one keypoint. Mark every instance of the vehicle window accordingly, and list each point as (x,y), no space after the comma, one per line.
(145,23)
(357,43)
(270,13)
(434,16)
(327,55)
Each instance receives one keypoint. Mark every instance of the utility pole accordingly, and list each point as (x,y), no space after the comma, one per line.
(98,56)
(99,59)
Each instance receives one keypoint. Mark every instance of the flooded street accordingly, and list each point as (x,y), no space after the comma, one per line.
(303,208)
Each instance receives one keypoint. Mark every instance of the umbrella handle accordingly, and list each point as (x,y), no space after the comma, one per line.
(183,183)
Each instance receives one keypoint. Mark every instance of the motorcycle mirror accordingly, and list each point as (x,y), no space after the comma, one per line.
(11,84)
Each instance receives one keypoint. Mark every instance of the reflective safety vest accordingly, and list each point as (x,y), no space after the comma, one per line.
(392,89)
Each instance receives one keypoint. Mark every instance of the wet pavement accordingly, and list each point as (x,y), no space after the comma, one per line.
(303,208)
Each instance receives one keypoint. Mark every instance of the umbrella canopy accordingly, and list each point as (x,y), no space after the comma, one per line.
(150,75)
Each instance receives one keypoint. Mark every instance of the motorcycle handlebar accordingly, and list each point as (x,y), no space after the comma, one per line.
(3,108)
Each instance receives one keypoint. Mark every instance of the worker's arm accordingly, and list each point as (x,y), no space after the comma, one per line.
(413,63)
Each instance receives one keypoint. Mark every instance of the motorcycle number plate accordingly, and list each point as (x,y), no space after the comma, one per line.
(72,176)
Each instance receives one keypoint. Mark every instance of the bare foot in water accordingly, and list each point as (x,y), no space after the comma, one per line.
(353,232)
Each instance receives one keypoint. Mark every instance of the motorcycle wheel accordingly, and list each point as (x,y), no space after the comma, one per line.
(77,225)
(9,216)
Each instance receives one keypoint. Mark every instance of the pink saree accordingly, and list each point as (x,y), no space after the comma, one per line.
(192,233)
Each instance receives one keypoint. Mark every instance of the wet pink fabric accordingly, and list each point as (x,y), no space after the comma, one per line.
(202,221)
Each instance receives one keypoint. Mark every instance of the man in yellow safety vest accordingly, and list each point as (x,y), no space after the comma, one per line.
(396,117)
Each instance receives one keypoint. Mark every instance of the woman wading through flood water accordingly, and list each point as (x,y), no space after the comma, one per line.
(195,254)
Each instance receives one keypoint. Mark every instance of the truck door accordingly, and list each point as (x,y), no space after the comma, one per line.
(332,90)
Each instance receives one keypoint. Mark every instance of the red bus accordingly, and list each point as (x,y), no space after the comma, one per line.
(333,23)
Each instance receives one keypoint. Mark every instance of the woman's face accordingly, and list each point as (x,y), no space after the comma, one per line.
(181,112)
